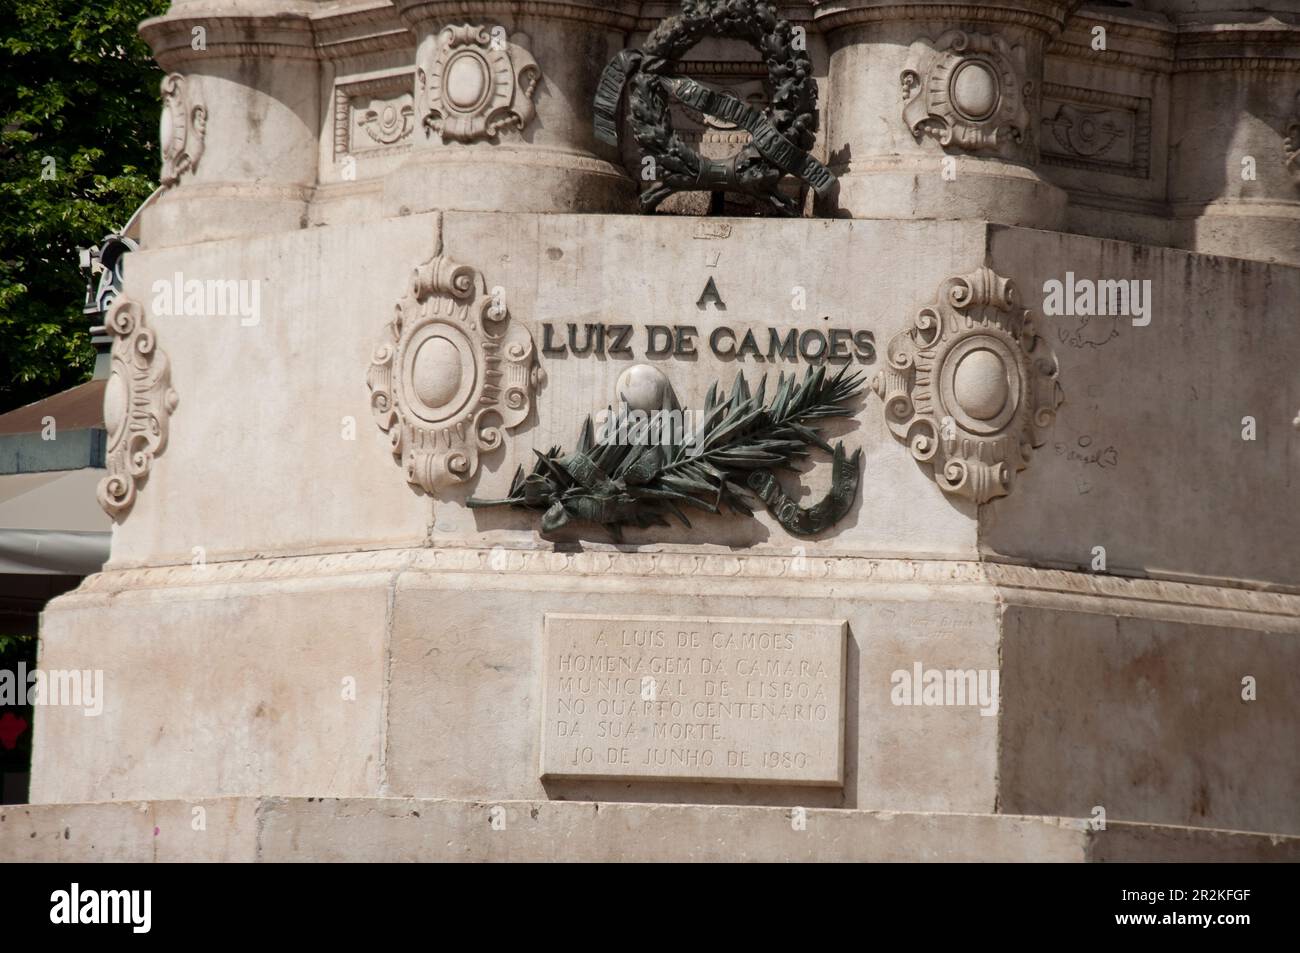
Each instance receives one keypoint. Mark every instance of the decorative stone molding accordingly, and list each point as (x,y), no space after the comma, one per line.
(1291,144)
(184,122)
(138,403)
(971,386)
(388,122)
(1082,131)
(375,114)
(477,83)
(967,90)
(1096,130)
(1156,596)
(450,375)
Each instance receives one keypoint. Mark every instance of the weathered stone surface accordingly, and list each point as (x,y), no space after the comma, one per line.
(1150,685)
(217,689)
(458,710)
(287,613)
(386,830)
(695,699)
(212,830)
(1185,495)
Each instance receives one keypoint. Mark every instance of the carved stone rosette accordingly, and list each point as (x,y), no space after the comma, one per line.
(182,128)
(971,386)
(138,403)
(968,90)
(388,123)
(451,375)
(477,83)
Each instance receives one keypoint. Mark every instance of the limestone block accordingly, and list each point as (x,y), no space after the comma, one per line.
(577,831)
(505,97)
(933,110)
(1104,123)
(215,830)
(282,830)
(1232,188)
(212,690)
(272,439)
(252,75)
(1174,447)
(466,705)
(1143,714)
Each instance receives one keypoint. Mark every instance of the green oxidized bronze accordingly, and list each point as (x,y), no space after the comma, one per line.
(739,444)
(781,135)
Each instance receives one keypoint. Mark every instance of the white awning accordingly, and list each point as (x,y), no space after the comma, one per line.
(50,523)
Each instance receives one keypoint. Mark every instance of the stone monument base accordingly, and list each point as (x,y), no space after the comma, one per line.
(246,829)
(393,679)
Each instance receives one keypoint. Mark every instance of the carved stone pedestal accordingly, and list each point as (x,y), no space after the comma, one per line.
(503,109)
(1234,174)
(239,124)
(983,544)
(331,620)
(935,109)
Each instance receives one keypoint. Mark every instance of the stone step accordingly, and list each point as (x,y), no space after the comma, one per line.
(287,829)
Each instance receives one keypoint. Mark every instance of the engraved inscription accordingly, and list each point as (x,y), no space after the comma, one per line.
(698,699)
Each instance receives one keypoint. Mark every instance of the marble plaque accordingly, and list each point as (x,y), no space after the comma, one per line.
(693,698)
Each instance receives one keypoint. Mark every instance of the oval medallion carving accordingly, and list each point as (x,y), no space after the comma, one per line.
(437,372)
(451,375)
(980,384)
(974,90)
(970,386)
(467,81)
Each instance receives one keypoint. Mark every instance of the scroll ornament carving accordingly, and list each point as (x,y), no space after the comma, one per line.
(971,387)
(450,375)
(477,84)
(138,403)
(388,122)
(182,128)
(1086,132)
(968,90)
(1291,145)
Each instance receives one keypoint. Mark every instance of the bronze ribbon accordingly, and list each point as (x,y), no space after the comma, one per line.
(810,520)
(610,92)
(771,145)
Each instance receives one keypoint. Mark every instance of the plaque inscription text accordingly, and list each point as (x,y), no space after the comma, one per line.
(693,698)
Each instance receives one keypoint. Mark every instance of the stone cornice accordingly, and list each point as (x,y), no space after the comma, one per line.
(280,35)
(837,574)
(1266,44)
(1046,16)
(653,12)
(1260,43)
(616,14)
(368,28)
(1145,43)
(308,32)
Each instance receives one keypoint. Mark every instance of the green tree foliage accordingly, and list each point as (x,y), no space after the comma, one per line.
(79,111)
